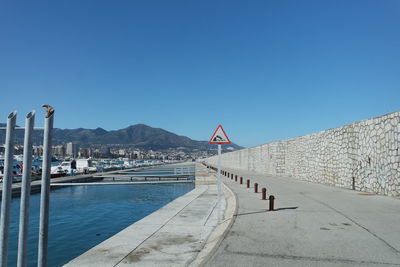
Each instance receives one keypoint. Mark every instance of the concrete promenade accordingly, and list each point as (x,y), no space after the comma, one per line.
(182,233)
(313,225)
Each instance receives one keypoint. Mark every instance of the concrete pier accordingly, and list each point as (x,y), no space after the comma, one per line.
(182,233)
(312,225)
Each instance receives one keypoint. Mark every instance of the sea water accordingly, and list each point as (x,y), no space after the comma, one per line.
(84,216)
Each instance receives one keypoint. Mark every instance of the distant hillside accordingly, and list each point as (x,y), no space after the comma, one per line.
(139,135)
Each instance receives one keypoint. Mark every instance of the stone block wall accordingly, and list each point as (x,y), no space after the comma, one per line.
(362,156)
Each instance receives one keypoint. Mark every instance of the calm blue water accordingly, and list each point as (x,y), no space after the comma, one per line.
(83,216)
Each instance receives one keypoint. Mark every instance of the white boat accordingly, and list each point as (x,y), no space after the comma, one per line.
(129,164)
(16,172)
(63,167)
(19,158)
(82,166)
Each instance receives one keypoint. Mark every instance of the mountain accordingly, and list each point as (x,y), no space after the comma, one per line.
(139,135)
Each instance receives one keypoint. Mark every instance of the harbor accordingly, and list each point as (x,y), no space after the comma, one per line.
(104,176)
(93,210)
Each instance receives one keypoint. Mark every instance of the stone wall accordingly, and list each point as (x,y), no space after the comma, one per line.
(362,156)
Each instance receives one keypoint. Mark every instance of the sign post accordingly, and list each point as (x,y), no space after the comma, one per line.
(219,137)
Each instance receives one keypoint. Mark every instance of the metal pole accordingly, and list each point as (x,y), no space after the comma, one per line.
(25,191)
(7,187)
(219,183)
(45,189)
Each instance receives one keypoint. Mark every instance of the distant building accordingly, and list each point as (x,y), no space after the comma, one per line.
(38,151)
(121,152)
(85,152)
(105,152)
(72,149)
(59,151)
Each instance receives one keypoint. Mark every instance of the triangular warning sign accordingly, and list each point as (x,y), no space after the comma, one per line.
(219,136)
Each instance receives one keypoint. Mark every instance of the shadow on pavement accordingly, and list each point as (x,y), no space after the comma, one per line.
(289,208)
(264,211)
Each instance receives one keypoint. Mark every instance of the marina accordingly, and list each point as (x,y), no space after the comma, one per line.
(96,177)
(92,211)
(61,168)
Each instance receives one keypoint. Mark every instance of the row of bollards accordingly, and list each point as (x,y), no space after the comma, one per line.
(263,190)
(227,174)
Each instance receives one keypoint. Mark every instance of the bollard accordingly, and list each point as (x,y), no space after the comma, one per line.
(248,183)
(264,193)
(241,180)
(235,178)
(255,188)
(271,202)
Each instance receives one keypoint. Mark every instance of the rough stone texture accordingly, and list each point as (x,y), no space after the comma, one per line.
(362,156)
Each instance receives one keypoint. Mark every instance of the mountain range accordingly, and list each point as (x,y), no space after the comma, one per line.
(139,135)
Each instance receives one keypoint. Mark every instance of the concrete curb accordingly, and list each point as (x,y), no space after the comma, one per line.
(217,236)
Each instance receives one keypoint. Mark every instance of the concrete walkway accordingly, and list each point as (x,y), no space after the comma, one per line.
(179,234)
(313,225)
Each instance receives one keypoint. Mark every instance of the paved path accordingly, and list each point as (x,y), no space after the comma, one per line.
(314,225)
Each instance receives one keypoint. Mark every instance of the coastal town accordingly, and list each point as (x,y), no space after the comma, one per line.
(71,159)
(72,150)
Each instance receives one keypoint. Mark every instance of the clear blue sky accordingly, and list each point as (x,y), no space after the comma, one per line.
(266,70)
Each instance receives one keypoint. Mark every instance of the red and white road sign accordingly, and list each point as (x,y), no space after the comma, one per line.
(219,136)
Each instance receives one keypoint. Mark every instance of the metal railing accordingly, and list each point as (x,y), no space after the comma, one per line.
(26,188)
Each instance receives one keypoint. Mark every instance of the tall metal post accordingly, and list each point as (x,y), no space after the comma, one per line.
(25,191)
(7,186)
(219,183)
(45,189)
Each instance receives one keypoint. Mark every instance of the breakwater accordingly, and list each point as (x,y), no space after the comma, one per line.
(361,156)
